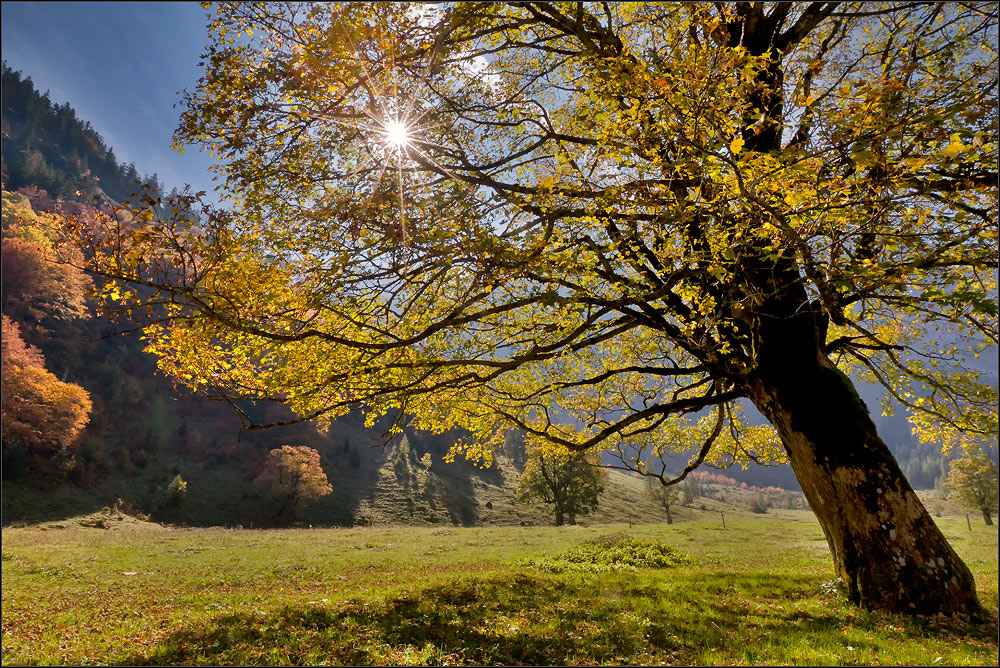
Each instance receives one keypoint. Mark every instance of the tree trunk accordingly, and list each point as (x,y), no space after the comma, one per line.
(987,518)
(887,550)
(572,519)
(559,518)
(670,520)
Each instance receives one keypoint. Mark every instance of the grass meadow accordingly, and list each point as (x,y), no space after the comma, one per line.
(755,592)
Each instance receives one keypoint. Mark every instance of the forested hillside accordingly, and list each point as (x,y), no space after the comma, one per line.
(139,430)
(121,431)
(47,146)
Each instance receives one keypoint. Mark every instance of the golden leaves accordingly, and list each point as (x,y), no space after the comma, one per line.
(954,148)
(579,230)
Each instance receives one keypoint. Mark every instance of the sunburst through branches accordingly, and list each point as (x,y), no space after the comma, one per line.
(397,135)
(392,125)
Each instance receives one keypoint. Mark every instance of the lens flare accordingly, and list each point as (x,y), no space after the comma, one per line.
(397,135)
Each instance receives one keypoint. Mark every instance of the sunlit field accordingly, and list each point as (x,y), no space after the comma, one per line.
(757,592)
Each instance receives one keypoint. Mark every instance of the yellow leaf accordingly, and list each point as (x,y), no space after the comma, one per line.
(953,149)
(736,145)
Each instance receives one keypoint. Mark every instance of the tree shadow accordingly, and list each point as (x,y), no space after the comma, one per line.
(469,619)
(451,484)
(503,618)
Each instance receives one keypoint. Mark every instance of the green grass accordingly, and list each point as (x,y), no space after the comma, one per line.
(612,552)
(753,593)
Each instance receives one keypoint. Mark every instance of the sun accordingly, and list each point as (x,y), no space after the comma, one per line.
(397,134)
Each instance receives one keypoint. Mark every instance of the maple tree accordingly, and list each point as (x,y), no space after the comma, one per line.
(589,221)
(293,477)
(571,482)
(41,415)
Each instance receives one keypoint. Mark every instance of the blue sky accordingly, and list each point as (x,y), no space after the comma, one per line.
(120,65)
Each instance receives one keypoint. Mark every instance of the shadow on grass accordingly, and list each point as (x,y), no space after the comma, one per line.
(523,618)
(26,503)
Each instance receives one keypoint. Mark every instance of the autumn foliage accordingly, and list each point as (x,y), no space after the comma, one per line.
(41,276)
(293,477)
(973,483)
(41,415)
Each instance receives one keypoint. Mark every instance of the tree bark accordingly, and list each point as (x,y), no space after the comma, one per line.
(987,518)
(559,518)
(670,519)
(887,550)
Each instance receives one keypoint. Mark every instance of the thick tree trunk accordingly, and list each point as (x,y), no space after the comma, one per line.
(887,550)
(987,518)
(670,519)
(559,518)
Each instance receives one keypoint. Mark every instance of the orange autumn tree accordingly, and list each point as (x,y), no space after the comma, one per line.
(294,478)
(41,416)
(41,285)
(591,221)
(42,281)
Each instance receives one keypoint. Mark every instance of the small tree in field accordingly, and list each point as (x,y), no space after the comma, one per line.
(973,483)
(667,496)
(293,477)
(570,482)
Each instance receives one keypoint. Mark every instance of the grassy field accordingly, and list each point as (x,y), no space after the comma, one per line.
(756,592)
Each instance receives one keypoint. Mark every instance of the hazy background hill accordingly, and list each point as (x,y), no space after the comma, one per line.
(143,431)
